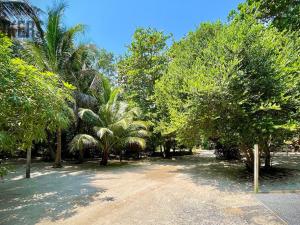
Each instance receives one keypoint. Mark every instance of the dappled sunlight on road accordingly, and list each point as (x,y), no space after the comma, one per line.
(204,169)
(50,193)
(188,189)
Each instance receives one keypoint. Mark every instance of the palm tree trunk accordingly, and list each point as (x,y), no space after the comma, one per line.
(121,155)
(104,159)
(28,162)
(57,163)
(81,156)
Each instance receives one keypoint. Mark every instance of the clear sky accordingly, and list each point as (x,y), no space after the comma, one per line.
(111,23)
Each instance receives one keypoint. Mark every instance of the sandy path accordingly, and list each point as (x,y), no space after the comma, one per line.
(163,195)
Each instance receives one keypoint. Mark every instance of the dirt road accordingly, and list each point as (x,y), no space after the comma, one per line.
(163,194)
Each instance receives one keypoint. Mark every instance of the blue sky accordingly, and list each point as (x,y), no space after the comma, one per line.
(111,23)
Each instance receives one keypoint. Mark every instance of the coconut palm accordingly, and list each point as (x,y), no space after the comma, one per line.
(15,9)
(55,51)
(10,8)
(114,126)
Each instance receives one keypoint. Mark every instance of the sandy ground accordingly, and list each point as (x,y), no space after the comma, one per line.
(162,195)
(155,192)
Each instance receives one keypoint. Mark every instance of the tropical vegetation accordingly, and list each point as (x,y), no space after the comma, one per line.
(114,127)
(229,85)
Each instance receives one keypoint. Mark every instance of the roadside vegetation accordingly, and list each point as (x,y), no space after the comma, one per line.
(225,86)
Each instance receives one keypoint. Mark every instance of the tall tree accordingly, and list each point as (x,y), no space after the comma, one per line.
(145,62)
(283,14)
(236,83)
(10,10)
(107,65)
(54,52)
(31,103)
(13,9)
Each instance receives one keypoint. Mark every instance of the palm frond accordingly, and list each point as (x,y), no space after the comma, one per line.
(89,116)
(114,96)
(85,100)
(139,124)
(120,125)
(14,9)
(103,131)
(37,52)
(136,141)
(106,86)
(140,133)
(135,112)
(82,141)
(72,32)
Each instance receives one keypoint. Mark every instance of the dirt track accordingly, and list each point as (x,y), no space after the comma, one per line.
(162,194)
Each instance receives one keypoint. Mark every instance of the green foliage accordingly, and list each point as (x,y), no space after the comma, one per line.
(55,51)
(138,71)
(4,170)
(31,101)
(235,83)
(115,126)
(283,14)
(106,63)
(144,64)
(79,65)
(171,92)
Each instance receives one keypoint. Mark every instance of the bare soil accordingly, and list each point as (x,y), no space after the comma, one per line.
(148,192)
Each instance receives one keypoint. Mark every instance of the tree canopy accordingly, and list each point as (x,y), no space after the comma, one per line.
(282,14)
(32,101)
(236,82)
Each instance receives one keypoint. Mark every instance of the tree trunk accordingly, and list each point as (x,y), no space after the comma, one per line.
(57,163)
(51,152)
(121,156)
(248,152)
(268,160)
(167,149)
(104,159)
(81,156)
(28,162)
(267,153)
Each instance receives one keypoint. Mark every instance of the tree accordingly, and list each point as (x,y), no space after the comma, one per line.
(114,126)
(55,52)
(17,9)
(171,90)
(107,64)
(138,71)
(283,14)
(235,83)
(11,9)
(31,103)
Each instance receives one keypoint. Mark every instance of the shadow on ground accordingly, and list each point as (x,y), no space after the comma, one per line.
(233,176)
(50,194)
(55,193)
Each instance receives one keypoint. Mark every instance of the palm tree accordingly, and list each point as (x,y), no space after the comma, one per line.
(114,126)
(10,9)
(54,51)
